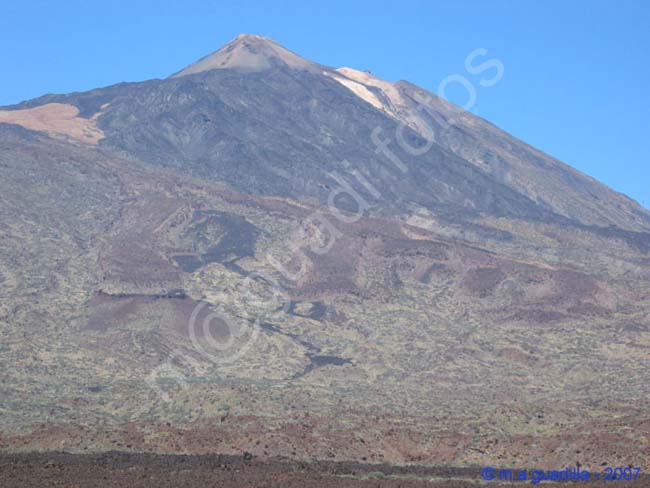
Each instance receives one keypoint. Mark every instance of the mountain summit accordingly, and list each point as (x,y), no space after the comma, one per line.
(248,52)
(295,122)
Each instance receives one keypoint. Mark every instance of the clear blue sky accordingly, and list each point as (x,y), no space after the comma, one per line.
(574,85)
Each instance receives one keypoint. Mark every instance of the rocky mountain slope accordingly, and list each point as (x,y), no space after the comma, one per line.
(261,253)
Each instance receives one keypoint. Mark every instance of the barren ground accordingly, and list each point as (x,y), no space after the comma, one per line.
(142,470)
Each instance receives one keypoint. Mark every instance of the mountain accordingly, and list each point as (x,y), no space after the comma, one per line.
(250,53)
(264,254)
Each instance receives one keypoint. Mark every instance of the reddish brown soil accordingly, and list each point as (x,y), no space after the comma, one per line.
(148,470)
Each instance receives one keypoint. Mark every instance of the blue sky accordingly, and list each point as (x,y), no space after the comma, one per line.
(575,72)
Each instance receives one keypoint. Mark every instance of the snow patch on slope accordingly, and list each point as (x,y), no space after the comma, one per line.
(359,90)
(391,101)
